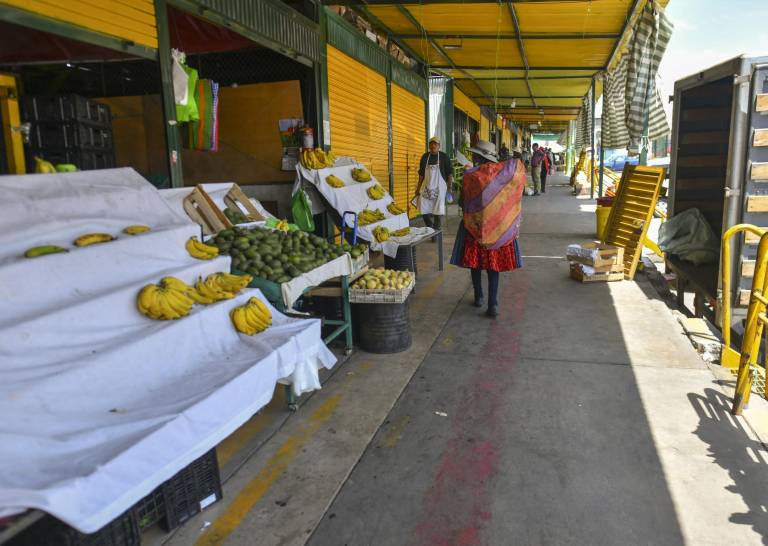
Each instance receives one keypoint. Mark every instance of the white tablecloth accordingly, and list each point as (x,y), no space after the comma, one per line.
(100,404)
(354,197)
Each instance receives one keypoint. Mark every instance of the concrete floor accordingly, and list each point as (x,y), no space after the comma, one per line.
(581,415)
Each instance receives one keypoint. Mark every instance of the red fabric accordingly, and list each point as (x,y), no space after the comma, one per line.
(476,256)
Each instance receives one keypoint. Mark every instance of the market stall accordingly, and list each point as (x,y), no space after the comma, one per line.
(96,389)
(377,218)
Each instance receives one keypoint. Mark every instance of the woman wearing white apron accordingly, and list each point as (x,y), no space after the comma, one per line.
(435,174)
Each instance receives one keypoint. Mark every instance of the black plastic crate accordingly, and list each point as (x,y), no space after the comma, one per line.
(67,135)
(65,108)
(84,160)
(191,490)
(151,509)
(49,531)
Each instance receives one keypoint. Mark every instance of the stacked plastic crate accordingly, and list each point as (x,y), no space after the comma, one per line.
(69,129)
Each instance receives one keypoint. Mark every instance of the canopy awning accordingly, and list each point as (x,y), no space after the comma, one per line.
(539,55)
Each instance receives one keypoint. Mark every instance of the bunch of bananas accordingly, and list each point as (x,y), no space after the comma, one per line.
(381,234)
(317,159)
(369,217)
(200,250)
(135,230)
(43,250)
(334,181)
(401,232)
(376,192)
(251,318)
(361,175)
(220,286)
(44,167)
(93,238)
(163,302)
(395,209)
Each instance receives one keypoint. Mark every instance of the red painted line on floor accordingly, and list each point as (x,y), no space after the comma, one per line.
(455,509)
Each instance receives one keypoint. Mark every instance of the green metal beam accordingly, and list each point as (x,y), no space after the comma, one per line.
(172,140)
(321,85)
(417,25)
(522,78)
(521,47)
(45,24)
(543,68)
(508,36)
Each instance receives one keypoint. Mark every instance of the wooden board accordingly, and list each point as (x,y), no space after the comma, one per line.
(748,268)
(760,138)
(757,203)
(631,215)
(762,102)
(235,197)
(201,209)
(759,172)
(744,296)
(752,239)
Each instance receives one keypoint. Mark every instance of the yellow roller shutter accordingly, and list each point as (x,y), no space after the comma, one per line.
(357,100)
(409,132)
(131,20)
(465,104)
(485,128)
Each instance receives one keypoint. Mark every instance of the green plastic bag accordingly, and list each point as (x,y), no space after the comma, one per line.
(302,211)
(188,112)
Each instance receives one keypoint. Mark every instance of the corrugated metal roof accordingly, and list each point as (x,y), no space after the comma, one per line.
(564,44)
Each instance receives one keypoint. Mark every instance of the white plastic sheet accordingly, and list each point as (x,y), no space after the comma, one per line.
(354,197)
(99,403)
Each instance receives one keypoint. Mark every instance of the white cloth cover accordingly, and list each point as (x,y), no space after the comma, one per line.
(337,267)
(100,404)
(354,197)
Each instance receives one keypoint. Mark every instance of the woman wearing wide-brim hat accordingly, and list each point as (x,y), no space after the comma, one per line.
(504,254)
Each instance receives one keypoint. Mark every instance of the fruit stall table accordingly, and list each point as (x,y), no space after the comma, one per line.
(100,403)
(375,210)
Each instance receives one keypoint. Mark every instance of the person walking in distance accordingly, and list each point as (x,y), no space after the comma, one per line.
(435,177)
(536,165)
(545,164)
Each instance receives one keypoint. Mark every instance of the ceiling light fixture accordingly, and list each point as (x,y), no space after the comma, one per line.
(457,45)
(513,104)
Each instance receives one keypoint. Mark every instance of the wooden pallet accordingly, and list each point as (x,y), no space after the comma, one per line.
(200,207)
(632,212)
(237,200)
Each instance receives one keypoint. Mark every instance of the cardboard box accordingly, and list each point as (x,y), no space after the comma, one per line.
(595,254)
(577,272)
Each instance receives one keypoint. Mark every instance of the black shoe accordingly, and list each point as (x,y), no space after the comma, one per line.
(493,311)
(536,193)
(479,302)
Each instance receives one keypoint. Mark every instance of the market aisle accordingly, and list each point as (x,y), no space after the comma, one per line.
(580,416)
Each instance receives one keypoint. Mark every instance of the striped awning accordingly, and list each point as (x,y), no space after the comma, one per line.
(630,88)
(584,122)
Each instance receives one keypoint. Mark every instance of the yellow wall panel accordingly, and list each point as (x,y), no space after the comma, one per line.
(465,104)
(408,144)
(357,99)
(128,20)
(485,128)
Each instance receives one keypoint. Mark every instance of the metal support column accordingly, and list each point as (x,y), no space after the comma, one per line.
(323,129)
(172,140)
(602,168)
(592,154)
(644,142)
(391,137)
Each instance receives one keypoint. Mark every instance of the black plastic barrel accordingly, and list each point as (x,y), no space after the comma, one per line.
(404,260)
(383,328)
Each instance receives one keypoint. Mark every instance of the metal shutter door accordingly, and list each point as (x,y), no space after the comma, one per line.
(409,132)
(357,101)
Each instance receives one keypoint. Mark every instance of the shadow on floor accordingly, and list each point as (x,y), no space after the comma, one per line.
(734,449)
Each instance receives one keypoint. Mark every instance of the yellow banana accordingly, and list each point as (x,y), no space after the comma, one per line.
(135,230)
(401,232)
(200,250)
(381,234)
(167,311)
(238,319)
(178,301)
(197,297)
(254,319)
(262,309)
(146,300)
(395,209)
(174,283)
(93,238)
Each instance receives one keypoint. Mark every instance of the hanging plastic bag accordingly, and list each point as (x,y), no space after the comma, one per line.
(302,211)
(180,78)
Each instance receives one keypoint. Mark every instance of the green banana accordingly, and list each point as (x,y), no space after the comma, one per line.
(43,250)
